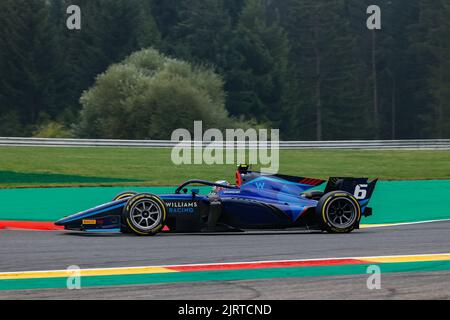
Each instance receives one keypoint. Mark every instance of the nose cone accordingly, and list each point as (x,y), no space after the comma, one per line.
(75,218)
(111,208)
(64,221)
(60,222)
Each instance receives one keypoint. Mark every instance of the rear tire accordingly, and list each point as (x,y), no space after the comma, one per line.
(145,214)
(338,212)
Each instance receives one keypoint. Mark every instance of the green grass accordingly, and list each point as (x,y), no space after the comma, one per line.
(136,166)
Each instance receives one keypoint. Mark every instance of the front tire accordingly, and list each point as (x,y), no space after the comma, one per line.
(145,214)
(338,212)
(123,195)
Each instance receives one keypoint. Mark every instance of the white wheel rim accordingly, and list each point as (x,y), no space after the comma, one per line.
(341,213)
(145,214)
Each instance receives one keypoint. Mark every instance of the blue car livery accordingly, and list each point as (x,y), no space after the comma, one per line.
(255,201)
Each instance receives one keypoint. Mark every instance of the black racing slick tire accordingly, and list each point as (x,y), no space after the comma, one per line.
(338,212)
(145,214)
(123,195)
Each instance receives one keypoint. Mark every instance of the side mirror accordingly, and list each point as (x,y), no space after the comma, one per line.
(195,191)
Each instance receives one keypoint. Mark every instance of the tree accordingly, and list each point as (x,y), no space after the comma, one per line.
(430,41)
(110,31)
(331,97)
(149,95)
(166,15)
(45,67)
(26,62)
(202,34)
(309,67)
(257,60)
(391,67)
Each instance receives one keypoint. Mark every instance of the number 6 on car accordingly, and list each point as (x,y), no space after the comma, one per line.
(360,191)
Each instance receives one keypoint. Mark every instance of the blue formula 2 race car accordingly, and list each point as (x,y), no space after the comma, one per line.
(255,201)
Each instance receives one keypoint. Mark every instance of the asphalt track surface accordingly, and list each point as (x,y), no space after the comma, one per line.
(35,250)
(426,285)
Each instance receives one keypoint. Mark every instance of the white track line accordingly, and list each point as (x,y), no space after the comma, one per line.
(380,225)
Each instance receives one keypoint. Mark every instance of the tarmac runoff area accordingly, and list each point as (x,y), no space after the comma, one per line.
(414,261)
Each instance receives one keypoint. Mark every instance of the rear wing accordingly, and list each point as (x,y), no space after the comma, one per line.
(361,188)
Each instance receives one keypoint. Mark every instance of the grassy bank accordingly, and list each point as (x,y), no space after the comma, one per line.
(35,167)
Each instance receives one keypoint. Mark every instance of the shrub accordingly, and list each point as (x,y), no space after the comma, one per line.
(52,129)
(149,95)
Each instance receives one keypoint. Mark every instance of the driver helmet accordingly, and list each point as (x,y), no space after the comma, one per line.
(217,188)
